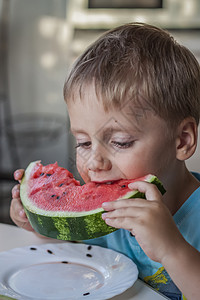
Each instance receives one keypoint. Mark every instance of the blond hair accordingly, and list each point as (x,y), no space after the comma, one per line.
(140,62)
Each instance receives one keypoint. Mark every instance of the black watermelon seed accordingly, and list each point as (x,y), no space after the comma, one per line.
(52,196)
(48,175)
(89,255)
(89,247)
(41,174)
(58,197)
(86,294)
(49,251)
(64,262)
(61,184)
(123,186)
(33,248)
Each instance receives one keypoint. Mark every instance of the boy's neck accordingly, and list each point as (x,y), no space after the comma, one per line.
(180,187)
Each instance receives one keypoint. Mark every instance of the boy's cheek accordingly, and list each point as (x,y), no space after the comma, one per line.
(82,169)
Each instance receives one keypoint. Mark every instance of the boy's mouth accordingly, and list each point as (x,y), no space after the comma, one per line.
(106,181)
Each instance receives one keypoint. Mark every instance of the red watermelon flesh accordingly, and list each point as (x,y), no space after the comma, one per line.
(54,188)
(58,206)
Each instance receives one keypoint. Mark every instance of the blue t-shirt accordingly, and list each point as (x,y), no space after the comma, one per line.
(187,219)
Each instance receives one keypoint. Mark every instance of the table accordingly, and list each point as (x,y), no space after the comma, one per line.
(14,237)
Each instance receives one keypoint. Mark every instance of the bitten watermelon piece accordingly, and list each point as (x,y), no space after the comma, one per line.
(58,206)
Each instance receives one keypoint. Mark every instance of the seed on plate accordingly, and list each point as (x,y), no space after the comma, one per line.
(89,255)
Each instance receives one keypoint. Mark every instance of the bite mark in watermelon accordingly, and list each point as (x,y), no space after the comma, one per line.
(58,206)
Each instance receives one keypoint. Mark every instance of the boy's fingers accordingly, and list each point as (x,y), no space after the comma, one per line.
(22,214)
(18,174)
(16,191)
(16,210)
(122,212)
(120,222)
(124,203)
(150,190)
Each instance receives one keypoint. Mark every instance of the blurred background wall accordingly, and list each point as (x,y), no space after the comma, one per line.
(39,40)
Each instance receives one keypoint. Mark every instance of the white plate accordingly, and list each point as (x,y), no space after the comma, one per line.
(65,271)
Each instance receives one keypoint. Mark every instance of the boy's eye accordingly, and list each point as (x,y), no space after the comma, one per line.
(122,145)
(83,145)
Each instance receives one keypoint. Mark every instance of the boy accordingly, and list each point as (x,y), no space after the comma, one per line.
(134,102)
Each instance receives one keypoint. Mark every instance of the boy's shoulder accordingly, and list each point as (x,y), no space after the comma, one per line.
(196,175)
(188,214)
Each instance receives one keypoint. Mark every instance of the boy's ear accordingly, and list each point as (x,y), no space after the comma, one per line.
(186,141)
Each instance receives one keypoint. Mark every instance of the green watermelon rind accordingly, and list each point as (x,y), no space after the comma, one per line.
(3,297)
(71,226)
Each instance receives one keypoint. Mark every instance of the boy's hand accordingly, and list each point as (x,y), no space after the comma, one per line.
(17,213)
(149,220)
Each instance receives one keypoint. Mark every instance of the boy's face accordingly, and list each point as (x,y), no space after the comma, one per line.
(126,143)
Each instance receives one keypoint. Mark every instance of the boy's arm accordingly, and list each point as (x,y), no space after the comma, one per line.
(183,265)
(155,230)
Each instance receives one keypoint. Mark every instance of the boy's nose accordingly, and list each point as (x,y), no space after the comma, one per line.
(97,162)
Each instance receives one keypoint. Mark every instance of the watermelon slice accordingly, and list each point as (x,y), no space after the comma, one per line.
(58,206)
